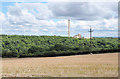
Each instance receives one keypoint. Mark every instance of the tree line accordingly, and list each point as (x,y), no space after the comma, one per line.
(46,46)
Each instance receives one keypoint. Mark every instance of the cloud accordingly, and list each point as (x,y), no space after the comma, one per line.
(82,10)
(40,19)
(68,10)
(40,10)
(111,24)
(17,16)
(59,1)
(15,10)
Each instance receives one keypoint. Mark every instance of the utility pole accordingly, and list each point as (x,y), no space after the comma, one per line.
(68,27)
(90,39)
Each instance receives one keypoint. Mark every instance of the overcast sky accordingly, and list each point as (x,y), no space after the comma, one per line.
(50,18)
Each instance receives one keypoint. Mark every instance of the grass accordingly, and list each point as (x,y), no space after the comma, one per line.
(97,65)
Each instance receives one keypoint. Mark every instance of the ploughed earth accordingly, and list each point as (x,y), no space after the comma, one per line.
(96,65)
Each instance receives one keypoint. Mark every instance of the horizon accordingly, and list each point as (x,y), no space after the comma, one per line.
(64,36)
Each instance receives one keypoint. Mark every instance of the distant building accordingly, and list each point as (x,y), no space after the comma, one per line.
(87,37)
(77,36)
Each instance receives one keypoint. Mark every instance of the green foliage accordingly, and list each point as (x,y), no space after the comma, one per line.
(35,49)
(40,46)
(59,47)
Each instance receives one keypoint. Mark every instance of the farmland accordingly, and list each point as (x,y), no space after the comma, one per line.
(96,65)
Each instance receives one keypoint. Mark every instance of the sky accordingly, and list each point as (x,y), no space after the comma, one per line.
(51,18)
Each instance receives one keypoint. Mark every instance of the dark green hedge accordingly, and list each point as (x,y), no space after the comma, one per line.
(46,46)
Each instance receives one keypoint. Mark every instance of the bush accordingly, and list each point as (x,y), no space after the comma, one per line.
(40,46)
(34,49)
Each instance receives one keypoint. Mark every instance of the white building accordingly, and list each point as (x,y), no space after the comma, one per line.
(77,36)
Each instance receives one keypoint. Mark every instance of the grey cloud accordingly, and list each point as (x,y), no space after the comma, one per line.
(68,10)
(15,11)
(82,10)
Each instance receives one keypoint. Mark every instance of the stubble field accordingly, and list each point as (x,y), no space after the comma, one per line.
(96,65)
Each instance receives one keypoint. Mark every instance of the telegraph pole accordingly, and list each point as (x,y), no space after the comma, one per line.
(68,27)
(90,39)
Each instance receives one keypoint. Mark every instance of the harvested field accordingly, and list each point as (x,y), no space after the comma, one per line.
(97,65)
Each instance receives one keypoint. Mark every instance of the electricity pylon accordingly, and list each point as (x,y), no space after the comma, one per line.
(90,39)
